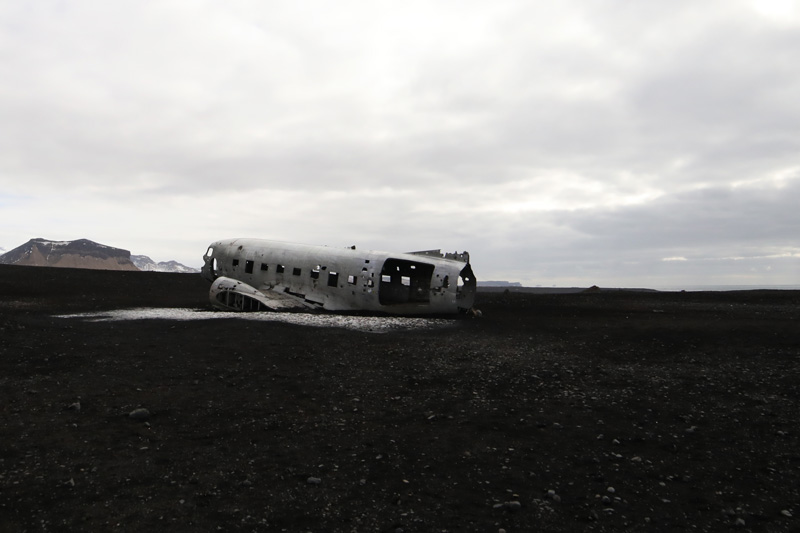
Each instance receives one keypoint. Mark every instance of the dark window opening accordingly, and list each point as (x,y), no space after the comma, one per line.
(296,271)
(333,279)
(315,274)
(404,281)
(248,266)
(279,269)
(264,267)
(236,262)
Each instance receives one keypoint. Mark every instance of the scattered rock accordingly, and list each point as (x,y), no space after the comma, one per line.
(139,414)
(511,506)
(313,480)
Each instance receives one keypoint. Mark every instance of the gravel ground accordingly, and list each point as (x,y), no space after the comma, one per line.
(598,411)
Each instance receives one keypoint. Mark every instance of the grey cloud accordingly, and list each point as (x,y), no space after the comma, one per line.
(705,223)
(562,140)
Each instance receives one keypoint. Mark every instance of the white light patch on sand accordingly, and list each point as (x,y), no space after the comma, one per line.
(372,324)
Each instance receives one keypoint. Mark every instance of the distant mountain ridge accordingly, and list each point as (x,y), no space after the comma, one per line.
(81,253)
(84,253)
(143,262)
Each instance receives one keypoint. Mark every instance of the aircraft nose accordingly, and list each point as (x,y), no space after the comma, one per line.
(208,271)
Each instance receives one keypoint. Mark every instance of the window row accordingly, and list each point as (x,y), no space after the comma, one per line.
(333,277)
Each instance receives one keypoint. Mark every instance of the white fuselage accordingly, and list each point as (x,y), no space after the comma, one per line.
(343,279)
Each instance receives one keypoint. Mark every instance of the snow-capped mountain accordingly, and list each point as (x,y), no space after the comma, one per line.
(143,262)
(82,253)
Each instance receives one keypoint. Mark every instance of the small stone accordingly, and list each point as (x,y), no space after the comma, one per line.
(139,414)
(786,513)
(513,505)
(739,522)
(75,407)
(313,481)
(612,490)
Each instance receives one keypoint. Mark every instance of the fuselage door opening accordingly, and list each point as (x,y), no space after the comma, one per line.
(404,281)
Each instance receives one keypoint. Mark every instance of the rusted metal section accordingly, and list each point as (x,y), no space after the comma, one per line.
(257,274)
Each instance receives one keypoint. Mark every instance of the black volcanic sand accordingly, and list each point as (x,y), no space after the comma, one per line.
(598,411)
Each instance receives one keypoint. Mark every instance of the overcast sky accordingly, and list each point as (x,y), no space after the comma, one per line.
(603,142)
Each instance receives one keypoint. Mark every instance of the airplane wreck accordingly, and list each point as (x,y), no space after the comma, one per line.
(265,275)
